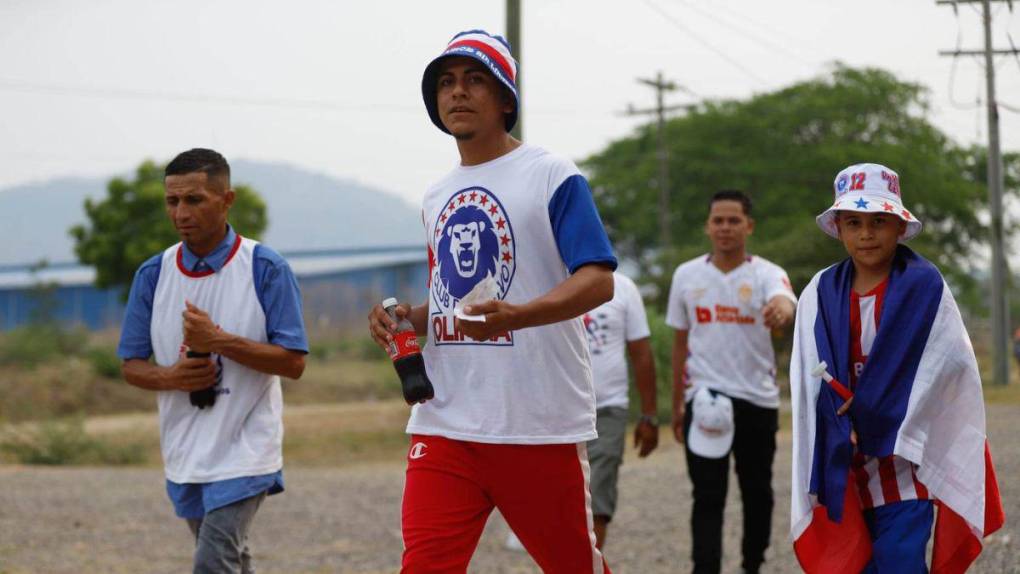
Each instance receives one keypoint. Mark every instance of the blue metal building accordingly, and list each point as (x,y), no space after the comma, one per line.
(337,286)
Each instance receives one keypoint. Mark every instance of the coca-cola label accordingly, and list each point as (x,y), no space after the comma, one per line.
(404,345)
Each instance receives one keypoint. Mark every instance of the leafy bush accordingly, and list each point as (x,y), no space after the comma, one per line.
(362,348)
(105,362)
(36,343)
(320,351)
(357,347)
(55,442)
(662,349)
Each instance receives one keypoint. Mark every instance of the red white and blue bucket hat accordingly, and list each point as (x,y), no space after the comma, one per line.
(868,188)
(492,51)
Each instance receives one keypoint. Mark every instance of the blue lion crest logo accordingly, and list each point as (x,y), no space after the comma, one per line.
(468,250)
(473,240)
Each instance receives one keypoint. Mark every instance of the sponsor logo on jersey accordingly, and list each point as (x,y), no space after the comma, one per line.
(472,239)
(745,293)
(722,314)
(703,314)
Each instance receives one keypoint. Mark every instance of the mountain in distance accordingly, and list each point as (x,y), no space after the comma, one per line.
(307,211)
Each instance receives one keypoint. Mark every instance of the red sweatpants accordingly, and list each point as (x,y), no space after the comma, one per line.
(541,490)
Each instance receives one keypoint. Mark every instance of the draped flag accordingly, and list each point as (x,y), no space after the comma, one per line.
(918,397)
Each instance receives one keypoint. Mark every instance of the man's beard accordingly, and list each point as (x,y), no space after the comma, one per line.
(464,136)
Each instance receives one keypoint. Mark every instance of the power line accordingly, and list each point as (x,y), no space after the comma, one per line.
(999,266)
(661,86)
(706,43)
(952,69)
(747,33)
(1012,50)
(62,90)
(513,35)
(149,95)
(740,16)
(1016,56)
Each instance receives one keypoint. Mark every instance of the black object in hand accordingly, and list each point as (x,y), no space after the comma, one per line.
(407,359)
(205,397)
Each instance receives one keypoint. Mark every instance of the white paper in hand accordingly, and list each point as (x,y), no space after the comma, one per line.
(485,290)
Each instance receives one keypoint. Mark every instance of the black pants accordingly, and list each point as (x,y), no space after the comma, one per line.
(754,448)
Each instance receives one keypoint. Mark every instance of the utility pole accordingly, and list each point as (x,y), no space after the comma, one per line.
(661,86)
(1000,297)
(513,35)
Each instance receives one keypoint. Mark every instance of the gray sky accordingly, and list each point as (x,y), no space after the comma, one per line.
(92,88)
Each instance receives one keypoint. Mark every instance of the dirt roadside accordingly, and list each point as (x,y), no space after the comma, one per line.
(57,520)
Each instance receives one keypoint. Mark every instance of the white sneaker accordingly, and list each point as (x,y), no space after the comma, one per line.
(513,543)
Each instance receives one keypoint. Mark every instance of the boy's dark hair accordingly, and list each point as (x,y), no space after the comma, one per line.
(732,195)
(200,160)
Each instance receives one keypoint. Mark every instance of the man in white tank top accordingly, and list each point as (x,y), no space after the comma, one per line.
(221,317)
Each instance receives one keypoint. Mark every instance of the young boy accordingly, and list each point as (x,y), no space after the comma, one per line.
(888,414)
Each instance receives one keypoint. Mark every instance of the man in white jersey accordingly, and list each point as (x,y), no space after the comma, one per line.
(723,306)
(618,329)
(514,403)
(236,302)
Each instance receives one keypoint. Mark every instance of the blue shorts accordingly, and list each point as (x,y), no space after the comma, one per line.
(899,536)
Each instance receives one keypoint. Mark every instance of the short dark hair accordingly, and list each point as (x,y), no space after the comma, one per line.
(732,195)
(200,160)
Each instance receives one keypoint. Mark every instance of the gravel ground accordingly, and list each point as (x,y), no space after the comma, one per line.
(56,520)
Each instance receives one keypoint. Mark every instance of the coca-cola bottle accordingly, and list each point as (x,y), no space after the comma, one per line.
(406,356)
(203,397)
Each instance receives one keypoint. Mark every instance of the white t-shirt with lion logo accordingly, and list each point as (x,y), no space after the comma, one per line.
(526,220)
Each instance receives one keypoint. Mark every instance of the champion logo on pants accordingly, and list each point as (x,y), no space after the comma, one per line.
(541,490)
(417,451)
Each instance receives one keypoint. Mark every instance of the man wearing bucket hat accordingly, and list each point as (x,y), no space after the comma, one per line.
(517,253)
(887,405)
(723,307)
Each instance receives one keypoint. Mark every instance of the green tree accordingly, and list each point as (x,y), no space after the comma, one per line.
(784,148)
(130,225)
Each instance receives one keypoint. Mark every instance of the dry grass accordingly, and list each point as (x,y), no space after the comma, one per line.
(85,383)
(344,434)
(345,409)
(1003,394)
(343,379)
(336,435)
